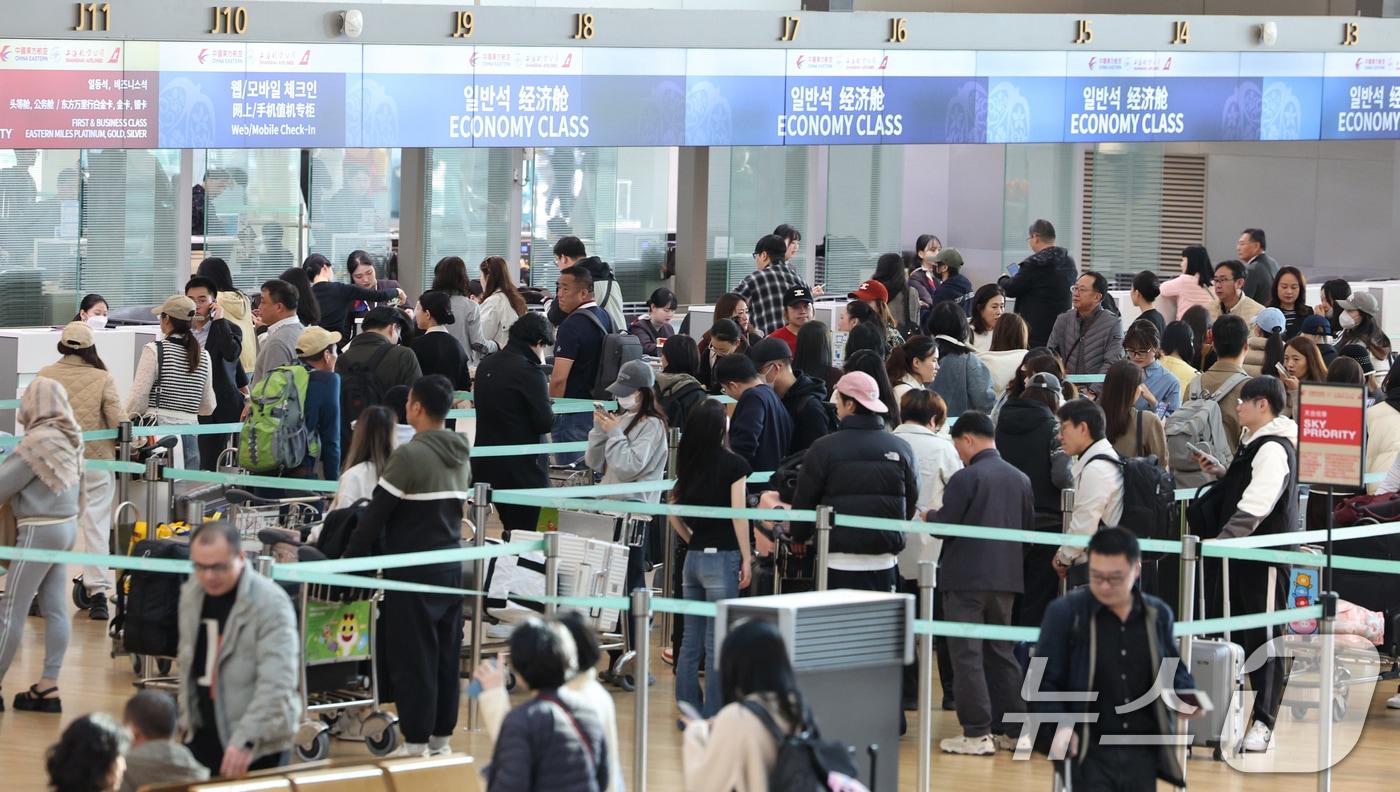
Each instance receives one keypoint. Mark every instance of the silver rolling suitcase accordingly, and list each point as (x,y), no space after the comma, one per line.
(1218,667)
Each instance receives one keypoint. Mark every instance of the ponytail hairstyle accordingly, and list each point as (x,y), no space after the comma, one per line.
(180,335)
(900,363)
(1273,353)
(314,265)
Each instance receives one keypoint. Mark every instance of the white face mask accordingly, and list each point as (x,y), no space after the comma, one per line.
(96,322)
(1347,321)
(629,402)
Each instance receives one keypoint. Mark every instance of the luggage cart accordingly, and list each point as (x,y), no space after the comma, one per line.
(251,514)
(340,672)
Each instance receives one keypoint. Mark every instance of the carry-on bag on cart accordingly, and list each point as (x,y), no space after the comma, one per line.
(148,603)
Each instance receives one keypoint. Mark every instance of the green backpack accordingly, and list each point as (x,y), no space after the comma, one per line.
(274,437)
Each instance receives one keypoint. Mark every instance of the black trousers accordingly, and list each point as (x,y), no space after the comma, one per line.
(518,518)
(210,446)
(423,635)
(1042,585)
(1116,768)
(207,750)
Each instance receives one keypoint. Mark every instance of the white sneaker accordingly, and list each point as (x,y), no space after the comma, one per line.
(969,746)
(1259,739)
(416,750)
(1393,702)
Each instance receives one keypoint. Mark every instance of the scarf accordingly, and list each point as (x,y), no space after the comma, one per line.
(52,444)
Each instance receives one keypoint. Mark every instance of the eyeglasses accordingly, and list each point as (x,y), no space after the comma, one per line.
(1221,279)
(1139,353)
(1108,580)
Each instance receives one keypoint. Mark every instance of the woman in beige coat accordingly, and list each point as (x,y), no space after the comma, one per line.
(92,393)
(236,307)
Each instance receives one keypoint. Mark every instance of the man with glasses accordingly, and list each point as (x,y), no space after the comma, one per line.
(239,652)
(1100,654)
(1229,289)
(1258,490)
(1226,377)
(760,430)
(1088,337)
(1098,482)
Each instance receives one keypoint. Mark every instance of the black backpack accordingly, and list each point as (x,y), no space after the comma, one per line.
(337,527)
(784,479)
(617,348)
(360,386)
(148,603)
(806,762)
(1149,498)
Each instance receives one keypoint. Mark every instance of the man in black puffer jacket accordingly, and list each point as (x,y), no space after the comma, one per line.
(803,396)
(865,471)
(1041,287)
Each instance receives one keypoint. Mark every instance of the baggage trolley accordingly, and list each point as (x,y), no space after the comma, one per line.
(251,514)
(340,674)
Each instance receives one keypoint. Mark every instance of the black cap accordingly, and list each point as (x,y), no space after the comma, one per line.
(797,294)
(769,350)
(383,316)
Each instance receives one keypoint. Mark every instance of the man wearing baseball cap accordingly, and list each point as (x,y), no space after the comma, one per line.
(803,396)
(797,311)
(953,285)
(316,349)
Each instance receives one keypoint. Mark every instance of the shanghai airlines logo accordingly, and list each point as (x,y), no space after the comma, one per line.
(306,58)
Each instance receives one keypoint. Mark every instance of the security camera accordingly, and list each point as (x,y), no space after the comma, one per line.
(1268,33)
(352,23)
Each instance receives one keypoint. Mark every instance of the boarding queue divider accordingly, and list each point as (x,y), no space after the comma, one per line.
(641,605)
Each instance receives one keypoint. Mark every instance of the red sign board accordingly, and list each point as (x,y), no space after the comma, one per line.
(1331,434)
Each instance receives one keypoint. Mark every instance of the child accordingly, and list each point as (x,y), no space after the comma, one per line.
(553,741)
(155,758)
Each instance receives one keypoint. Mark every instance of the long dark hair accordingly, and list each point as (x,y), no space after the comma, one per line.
(373,440)
(1198,264)
(1273,353)
(702,446)
(648,406)
(1335,291)
(216,269)
(922,242)
(984,294)
(1368,334)
(889,271)
(1302,301)
(308,310)
(450,275)
(1120,386)
(86,354)
(1317,368)
(1198,319)
(900,363)
(1178,339)
(813,350)
(754,659)
(1040,359)
(863,312)
(873,364)
(89,300)
(496,278)
(682,356)
(181,336)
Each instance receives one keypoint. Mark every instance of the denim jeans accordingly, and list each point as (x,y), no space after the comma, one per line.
(708,577)
(570,428)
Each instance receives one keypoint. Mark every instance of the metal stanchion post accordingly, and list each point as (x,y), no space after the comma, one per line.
(824,518)
(1066,518)
(124,455)
(1190,556)
(264,566)
(551,572)
(1326,689)
(481,510)
(641,631)
(194,513)
(668,543)
(926,573)
(151,480)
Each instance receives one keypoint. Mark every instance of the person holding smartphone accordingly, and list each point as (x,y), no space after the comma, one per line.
(1110,729)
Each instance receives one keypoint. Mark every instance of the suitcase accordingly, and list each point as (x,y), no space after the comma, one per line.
(148,603)
(1218,667)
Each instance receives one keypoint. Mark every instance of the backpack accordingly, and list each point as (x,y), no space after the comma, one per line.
(1197,422)
(1149,498)
(784,479)
(679,403)
(618,348)
(148,603)
(360,386)
(275,437)
(806,762)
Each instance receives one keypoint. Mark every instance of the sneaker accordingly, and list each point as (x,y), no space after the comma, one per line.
(668,657)
(98,611)
(415,750)
(1259,739)
(439,746)
(1004,742)
(1393,702)
(969,746)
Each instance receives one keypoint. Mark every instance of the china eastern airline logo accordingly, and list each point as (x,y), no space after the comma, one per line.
(5,53)
(220,57)
(1374,64)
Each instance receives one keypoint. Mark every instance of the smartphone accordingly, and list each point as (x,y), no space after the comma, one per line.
(1012,269)
(1195,449)
(688,713)
(1281,369)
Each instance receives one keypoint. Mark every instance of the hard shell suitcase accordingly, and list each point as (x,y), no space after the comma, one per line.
(1218,667)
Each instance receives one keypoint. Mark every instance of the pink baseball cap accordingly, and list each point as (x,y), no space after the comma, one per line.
(861,386)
